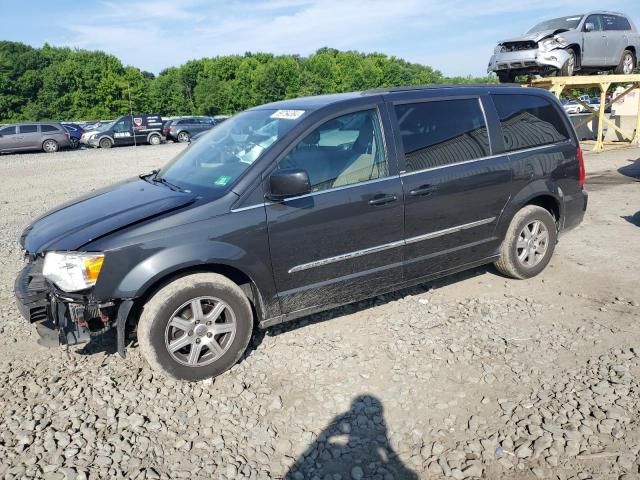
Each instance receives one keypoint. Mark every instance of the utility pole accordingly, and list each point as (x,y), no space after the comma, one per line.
(133,128)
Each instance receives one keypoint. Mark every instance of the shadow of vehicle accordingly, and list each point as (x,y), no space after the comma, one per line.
(632,170)
(355,444)
(633,219)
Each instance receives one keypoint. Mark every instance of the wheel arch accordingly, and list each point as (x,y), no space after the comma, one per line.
(152,134)
(578,51)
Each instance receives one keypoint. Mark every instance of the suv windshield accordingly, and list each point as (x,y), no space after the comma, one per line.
(562,23)
(217,159)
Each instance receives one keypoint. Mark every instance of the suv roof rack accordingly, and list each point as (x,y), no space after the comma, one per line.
(410,88)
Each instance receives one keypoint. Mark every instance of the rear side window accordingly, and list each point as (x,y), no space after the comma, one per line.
(8,131)
(439,133)
(529,121)
(28,128)
(614,22)
(51,128)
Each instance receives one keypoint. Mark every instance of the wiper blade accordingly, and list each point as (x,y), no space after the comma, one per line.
(163,181)
(145,176)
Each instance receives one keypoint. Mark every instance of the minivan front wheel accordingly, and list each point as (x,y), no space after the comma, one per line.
(196,327)
(529,243)
(50,146)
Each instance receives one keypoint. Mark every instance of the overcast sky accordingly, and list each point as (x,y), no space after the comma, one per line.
(456,37)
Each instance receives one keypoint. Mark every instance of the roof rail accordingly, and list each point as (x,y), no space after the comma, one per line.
(410,88)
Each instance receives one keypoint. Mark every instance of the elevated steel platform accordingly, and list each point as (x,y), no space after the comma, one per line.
(557,86)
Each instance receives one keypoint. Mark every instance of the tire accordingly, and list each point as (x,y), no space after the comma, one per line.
(518,262)
(154,140)
(183,137)
(172,305)
(105,143)
(74,142)
(506,77)
(50,146)
(569,67)
(627,63)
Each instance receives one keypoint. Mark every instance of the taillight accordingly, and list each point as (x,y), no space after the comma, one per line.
(582,176)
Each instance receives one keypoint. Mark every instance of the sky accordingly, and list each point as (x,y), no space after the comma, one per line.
(455,37)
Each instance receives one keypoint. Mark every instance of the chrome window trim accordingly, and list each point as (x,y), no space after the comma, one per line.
(387,246)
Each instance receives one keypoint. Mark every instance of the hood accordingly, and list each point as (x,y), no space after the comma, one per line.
(534,36)
(76,223)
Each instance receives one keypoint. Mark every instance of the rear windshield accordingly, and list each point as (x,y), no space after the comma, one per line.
(529,121)
(562,23)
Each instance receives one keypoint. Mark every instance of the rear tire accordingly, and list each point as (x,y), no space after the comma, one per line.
(569,67)
(74,142)
(105,143)
(50,146)
(529,243)
(506,77)
(627,63)
(183,137)
(187,342)
(154,140)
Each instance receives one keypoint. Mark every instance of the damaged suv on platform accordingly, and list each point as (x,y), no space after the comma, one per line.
(562,46)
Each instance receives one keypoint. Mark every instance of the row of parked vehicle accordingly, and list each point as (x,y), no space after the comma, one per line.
(573,108)
(126,130)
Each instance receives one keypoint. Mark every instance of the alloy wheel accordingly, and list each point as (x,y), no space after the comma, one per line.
(50,146)
(627,66)
(200,331)
(532,243)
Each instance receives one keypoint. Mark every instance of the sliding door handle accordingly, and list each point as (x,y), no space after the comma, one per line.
(422,191)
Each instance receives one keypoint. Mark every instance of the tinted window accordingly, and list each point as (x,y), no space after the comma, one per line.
(529,121)
(28,128)
(442,132)
(8,131)
(622,23)
(596,21)
(343,151)
(51,128)
(186,121)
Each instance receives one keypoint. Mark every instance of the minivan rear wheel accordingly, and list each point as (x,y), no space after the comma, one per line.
(50,146)
(529,243)
(196,327)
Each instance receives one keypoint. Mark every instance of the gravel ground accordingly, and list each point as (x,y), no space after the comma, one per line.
(472,376)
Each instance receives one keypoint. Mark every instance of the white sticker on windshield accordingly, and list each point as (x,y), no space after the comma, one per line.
(572,19)
(288,114)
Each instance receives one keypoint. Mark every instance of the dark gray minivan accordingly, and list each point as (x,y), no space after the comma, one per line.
(298,206)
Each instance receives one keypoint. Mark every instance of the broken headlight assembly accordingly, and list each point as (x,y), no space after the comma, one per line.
(551,43)
(499,48)
(72,271)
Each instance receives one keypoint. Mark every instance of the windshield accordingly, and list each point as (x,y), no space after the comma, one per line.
(104,126)
(220,156)
(562,23)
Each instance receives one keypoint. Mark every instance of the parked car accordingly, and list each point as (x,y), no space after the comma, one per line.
(127,130)
(75,133)
(46,136)
(572,107)
(587,43)
(298,206)
(181,129)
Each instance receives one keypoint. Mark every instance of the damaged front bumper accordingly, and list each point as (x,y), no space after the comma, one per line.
(533,61)
(63,318)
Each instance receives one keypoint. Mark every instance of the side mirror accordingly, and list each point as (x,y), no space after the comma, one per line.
(589,27)
(288,183)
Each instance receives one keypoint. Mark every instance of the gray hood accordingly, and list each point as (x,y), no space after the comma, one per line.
(533,36)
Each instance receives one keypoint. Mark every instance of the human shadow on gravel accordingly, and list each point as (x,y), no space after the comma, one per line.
(355,444)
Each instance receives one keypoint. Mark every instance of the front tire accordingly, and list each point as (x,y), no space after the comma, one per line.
(569,67)
(627,63)
(196,327)
(105,143)
(529,243)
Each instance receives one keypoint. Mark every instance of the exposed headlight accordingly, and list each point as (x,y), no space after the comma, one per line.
(499,49)
(550,43)
(72,271)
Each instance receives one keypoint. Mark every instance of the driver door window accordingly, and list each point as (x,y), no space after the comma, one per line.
(343,151)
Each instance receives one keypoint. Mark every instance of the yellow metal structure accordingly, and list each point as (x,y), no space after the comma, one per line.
(557,85)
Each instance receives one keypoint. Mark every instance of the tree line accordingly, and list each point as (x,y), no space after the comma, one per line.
(52,83)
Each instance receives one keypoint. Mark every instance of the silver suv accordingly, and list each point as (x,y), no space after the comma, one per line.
(586,43)
(48,136)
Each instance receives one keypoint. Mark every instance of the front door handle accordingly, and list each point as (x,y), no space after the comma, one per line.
(382,199)
(422,191)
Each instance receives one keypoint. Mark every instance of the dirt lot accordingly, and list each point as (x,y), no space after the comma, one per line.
(473,376)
